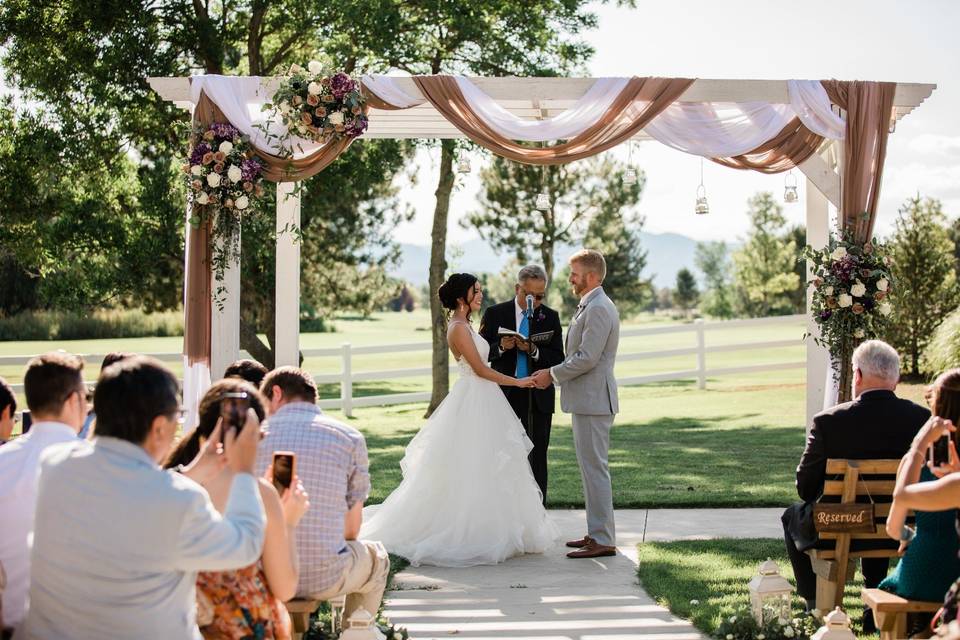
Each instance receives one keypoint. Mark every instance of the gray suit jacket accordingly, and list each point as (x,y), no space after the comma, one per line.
(586,380)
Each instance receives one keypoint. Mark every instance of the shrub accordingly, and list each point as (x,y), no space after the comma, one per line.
(103,323)
(943,352)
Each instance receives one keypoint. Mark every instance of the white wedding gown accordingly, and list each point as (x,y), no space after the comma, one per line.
(468,496)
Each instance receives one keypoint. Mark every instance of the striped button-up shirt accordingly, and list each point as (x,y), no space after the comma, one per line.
(332,464)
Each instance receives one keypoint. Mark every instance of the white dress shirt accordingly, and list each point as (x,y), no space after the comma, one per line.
(19,468)
(119,542)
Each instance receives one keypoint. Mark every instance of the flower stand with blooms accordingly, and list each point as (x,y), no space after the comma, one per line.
(852,285)
(770,593)
(836,626)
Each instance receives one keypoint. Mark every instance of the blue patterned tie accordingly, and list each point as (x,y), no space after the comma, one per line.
(523,367)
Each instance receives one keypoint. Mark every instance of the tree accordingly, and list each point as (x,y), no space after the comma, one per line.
(686,295)
(764,268)
(84,64)
(712,261)
(615,232)
(955,238)
(923,264)
(797,234)
(497,38)
(509,221)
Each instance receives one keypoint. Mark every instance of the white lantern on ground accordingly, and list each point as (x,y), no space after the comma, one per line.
(836,626)
(768,588)
(360,626)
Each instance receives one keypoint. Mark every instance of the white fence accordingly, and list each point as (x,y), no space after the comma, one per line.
(346,377)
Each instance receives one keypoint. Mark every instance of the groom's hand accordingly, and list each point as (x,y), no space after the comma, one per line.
(542,378)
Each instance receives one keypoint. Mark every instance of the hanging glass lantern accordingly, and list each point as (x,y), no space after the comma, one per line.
(543,201)
(630,177)
(790,189)
(463,165)
(702,207)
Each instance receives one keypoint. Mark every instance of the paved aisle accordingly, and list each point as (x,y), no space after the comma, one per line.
(549,597)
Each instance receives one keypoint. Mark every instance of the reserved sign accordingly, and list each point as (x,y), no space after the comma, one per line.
(844,518)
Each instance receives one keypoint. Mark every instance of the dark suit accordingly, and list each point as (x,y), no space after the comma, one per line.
(877,425)
(537,419)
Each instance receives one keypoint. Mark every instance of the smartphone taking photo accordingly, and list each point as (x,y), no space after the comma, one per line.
(939,452)
(284,468)
(233,410)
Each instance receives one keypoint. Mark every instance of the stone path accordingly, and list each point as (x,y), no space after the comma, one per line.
(549,597)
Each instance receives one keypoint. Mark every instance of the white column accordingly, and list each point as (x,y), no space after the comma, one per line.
(287,339)
(225,318)
(818,359)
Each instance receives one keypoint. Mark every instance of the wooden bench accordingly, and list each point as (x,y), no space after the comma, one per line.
(834,567)
(890,611)
(300,611)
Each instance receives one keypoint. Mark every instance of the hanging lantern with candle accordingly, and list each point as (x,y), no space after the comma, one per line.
(630,176)
(542,202)
(702,208)
(463,165)
(768,589)
(790,188)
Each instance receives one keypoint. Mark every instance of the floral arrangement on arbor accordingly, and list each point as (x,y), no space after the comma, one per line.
(225,183)
(321,106)
(852,285)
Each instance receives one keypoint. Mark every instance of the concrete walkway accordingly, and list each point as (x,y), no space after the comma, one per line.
(550,597)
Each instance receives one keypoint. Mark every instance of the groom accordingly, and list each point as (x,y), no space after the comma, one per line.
(589,392)
(521,358)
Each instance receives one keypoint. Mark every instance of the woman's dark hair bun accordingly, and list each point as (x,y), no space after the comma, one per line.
(457,286)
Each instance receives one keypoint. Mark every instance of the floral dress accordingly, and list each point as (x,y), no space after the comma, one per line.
(238,605)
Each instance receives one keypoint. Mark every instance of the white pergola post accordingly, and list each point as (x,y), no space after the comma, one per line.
(287,338)
(225,318)
(818,359)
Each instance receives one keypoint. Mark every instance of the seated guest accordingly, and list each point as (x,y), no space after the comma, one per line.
(86,432)
(248,602)
(930,564)
(249,370)
(53,384)
(876,424)
(118,541)
(8,411)
(332,464)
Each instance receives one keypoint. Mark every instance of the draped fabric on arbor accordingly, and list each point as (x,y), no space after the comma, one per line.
(759,136)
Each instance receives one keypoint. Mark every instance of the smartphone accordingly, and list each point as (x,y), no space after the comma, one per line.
(284,468)
(940,451)
(233,410)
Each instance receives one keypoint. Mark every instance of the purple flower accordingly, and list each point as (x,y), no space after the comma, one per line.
(251,169)
(196,156)
(358,126)
(825,315)
(224,131)
(340,84)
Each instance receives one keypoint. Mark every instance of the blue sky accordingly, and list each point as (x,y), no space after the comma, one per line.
(913,41)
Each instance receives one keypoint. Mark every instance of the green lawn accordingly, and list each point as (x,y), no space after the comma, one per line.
(705,581)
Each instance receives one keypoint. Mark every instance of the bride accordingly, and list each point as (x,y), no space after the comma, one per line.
(468,496)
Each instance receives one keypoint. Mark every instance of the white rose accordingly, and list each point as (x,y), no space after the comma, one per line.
(838,253)
(284,108)
(314,88)
(882,284)
(213,179)
(858,290)
(314,67)
(196,169)
(242,202)
(397,636)
(845,300)
(885,308)
(788,632)
(301,129)
(859,333)
(828,291)
(336,117)
(234,173)
(226,146)
(203,198)
(733,619)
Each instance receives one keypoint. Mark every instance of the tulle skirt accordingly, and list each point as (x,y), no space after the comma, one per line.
(468,496)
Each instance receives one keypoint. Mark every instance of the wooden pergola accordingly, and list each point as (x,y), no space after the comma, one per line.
(529,98)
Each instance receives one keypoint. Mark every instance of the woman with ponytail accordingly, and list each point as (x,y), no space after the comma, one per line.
(468,496)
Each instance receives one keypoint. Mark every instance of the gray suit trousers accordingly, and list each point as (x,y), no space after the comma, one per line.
(591,439)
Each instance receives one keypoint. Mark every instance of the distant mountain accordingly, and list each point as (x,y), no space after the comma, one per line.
(667,253)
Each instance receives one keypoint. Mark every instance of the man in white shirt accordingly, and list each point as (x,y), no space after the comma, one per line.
(53,384)
(118,541)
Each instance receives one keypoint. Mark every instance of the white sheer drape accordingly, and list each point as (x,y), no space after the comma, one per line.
(810,102)
(389,91)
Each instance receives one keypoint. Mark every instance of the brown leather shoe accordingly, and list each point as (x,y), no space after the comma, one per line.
(593,550)
(582,542)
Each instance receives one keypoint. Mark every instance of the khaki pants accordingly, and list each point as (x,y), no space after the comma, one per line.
(364,578)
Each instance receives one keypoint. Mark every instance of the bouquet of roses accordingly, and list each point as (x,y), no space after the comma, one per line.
(222,173)
(852,285)
(318,105)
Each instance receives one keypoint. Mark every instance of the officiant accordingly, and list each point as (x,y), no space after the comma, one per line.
(542,348)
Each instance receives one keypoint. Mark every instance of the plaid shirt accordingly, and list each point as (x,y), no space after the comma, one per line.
(332,464)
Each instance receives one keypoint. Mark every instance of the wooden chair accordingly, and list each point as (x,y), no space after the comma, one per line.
(858,481)
(890,611)
(300,611)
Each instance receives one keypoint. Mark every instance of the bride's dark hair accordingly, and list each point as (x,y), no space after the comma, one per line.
(459,286)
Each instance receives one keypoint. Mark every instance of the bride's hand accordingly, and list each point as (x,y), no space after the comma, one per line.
(526,383)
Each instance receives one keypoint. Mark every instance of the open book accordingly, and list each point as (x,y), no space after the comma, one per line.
(543,336)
